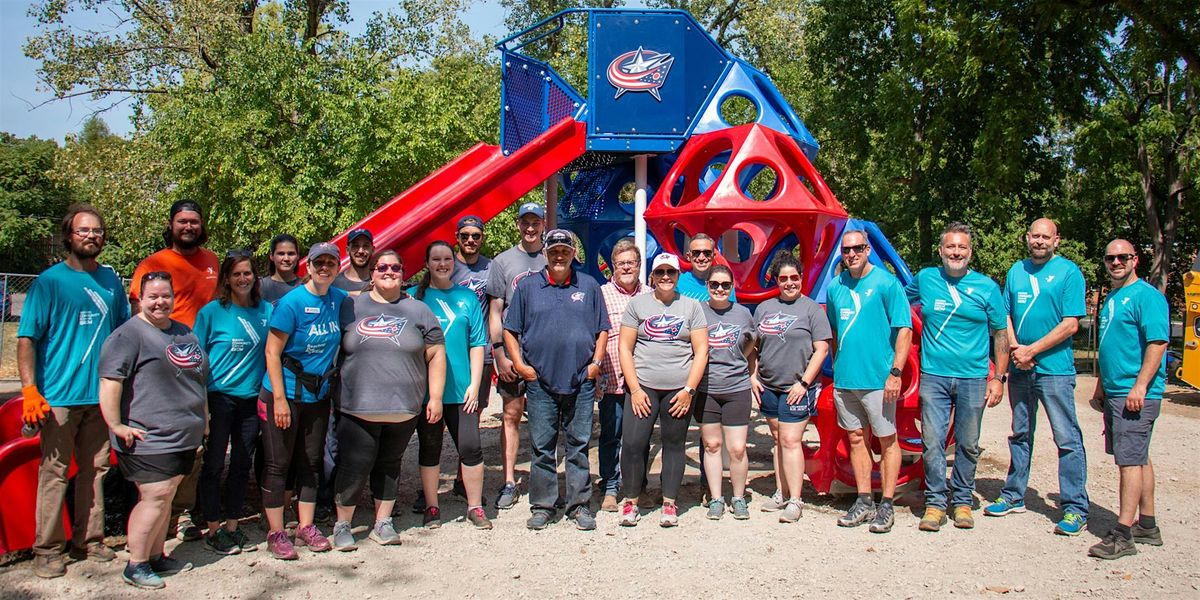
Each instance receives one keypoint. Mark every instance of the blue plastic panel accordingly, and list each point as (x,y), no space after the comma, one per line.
(773,111)
(532,98)
(883,254)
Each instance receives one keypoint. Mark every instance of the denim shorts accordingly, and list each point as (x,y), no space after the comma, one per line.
(774,405)
(1127,433)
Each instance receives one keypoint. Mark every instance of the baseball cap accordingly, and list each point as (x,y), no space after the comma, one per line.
(470,221)
(357,233)
(324,249)
(559,237)
(531,208)
(184,205)
(667,259)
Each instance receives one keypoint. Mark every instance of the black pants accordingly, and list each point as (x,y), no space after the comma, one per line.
(464,430)
(298,449)
(369,451)
(232,424)
(635,444)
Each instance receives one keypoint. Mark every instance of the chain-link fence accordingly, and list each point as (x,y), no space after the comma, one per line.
(13,288)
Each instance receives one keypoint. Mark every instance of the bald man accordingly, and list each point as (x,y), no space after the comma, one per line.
(1044,295)
(1134,330)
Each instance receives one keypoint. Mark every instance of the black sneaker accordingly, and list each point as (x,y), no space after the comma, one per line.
(1150,537)
(1113,546)
(165,565)
(418,505)
(460,490)
(539,520)
(324,514)
(243,542)
(186,530)
(222,542)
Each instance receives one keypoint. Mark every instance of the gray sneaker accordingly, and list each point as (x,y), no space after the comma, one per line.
(741,511)
(508,496)
(860,512)
(774,503)
(539,520)
(792,511)
(1112,547)
(885,517)
(584,520)
(716,509)
(1151,536)
(343,538)
(384,533)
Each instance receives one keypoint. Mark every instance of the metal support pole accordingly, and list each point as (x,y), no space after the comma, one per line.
(550,187)
(639,210)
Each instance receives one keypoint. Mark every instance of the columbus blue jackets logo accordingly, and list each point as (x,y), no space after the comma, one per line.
(521,276)
(776,324)
(723,335)
(640,70)
(663,327)
(475,284)
(383,327)
(185,356)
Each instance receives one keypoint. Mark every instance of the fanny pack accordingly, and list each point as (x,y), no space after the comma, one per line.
(310,382)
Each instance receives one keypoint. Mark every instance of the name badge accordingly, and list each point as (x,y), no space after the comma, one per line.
(312,310)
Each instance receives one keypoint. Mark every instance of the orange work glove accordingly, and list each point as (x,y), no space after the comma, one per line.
(36,408)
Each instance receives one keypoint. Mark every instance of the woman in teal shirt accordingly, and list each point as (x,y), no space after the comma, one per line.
(457,309)
(232,331)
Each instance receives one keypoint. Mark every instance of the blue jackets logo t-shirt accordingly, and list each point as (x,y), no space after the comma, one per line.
(959,315)
(1038,298)
(314,335)
(865,314)
(1130,318)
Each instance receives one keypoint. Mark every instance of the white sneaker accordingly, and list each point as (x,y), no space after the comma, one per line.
(629,514)
(775,502)
(792,511)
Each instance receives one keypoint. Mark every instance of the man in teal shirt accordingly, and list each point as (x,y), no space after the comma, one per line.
(1134,330)
(701,252)
(68,314)
(963,315)
(872,323)
(1044,295)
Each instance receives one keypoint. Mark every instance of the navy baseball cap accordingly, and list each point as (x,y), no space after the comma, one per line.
(560,237)
(357,233)
(470,221)
(531,208)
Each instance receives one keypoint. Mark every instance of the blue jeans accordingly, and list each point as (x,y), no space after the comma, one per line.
(548,412)
(612,408)
(1057,394)
(966,398)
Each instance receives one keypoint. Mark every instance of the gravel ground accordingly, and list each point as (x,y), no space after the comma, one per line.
(1017,556)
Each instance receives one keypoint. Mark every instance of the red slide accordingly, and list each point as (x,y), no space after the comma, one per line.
(481,182)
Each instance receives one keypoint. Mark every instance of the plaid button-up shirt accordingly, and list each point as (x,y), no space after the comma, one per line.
(616,300)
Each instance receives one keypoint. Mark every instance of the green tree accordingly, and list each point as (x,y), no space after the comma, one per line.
(31,203)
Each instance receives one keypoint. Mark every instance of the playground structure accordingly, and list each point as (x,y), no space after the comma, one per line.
(648,153)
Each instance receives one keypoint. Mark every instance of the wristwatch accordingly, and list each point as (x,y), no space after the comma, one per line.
(800,380)
(896,372)
(1003,377)
(497,345)
(691,391)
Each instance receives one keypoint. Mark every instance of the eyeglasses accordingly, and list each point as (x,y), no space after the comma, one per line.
(720,285)
(699,253)
(470,236)
(1112,258)
(859,249)
(665,272)
(238,254)
(626,264)
(384,268)
(786,278)
(86,231)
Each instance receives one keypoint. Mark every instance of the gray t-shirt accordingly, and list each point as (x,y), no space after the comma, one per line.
(730,333)
(164,373)
(474,277)
(272,290)
(786,332)
(508,268)
(345,283)
(383,344)
(663,353)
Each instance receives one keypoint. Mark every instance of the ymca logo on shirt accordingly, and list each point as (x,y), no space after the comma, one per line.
(776,324)
(185,357)
(723,336)
(382,327)
(663,327)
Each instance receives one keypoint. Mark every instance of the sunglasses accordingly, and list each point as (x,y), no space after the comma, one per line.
(786,278)
(704,253)
(238,254)
(151,276)
(1112,258)
(665,272)
(859,249)
(396,268)
(470,236)
(720,285)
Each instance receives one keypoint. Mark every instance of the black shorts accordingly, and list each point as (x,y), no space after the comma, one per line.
(510,389)
(153,468)
(485,386)
(730,410)
(1127,433)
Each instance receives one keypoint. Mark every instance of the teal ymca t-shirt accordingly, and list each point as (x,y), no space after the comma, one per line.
(234,338)
(865,314)
(458,312)
(1135,313)
(314,335)
(959,316)
(68,314)
(1038,297)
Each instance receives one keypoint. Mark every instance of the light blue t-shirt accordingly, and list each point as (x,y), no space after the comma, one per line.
(865,314)
(234,338)
(959,316)
(691,286)
(68,314)
(1038,298)
(314,335)
(1137,312)
(458,312)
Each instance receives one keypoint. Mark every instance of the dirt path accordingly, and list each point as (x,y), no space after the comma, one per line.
(760,558)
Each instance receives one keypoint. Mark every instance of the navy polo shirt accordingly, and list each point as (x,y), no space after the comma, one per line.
(557,326)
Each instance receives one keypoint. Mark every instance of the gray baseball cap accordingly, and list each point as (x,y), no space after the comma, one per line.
(324,249)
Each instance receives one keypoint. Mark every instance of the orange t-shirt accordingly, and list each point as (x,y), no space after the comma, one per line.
(193,277)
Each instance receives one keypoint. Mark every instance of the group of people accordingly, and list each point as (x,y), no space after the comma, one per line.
(322,381)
